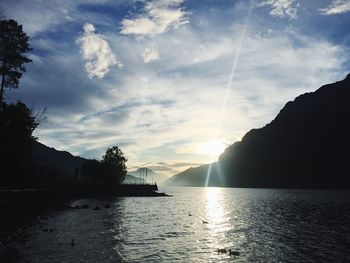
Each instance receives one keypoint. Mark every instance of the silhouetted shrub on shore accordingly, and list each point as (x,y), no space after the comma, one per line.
(17,124)
(107,173)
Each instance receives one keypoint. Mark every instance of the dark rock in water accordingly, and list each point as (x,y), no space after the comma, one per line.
(97,208)
(50,230)
(85,206)
(233,253)
(204,222)
(107,206)
(46,230)
(222,250)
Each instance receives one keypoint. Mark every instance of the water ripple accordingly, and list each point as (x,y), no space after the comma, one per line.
(262,225)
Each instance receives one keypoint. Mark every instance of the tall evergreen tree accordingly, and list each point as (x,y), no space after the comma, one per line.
(13,46)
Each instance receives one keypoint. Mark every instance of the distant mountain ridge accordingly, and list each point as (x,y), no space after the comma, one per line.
(305,146)
(195,176)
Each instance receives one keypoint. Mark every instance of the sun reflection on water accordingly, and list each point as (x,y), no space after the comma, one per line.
(214,205)
(217,214)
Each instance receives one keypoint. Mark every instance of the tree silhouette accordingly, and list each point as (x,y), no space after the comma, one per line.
(107,173)
(16,137)
(13,46)
(114,165)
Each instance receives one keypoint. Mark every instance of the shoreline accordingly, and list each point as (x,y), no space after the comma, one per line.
(20,209)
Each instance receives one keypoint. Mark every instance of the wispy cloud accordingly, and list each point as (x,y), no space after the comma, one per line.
(158,16)
(34,19)
(39,16)
(336,7)
(150,54)
(282,8)
(96,52)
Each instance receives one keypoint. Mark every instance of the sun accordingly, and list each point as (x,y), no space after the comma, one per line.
(212,148)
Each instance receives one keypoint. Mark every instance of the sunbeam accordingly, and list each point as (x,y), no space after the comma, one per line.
(234,64)
(208,175)
(230,79)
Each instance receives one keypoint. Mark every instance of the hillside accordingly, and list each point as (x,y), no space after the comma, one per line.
(305,146)
(196,176)
(48,158)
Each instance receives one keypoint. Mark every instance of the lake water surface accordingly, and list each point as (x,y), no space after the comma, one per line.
(263,225)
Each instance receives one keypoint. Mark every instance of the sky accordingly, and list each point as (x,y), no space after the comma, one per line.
(172,82)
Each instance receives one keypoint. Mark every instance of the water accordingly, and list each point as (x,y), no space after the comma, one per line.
(263,225)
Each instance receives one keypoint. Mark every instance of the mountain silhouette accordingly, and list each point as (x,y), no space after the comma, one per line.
(306,146)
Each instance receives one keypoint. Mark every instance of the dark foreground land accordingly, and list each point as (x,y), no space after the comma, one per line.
(20,209)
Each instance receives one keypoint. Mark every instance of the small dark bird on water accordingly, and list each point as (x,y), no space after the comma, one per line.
(222,250)
(204,222)
(72,243)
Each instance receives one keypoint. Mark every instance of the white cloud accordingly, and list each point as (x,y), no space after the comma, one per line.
(150,54)
(158,17)
(282,8)
(97,52)
(336,7)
